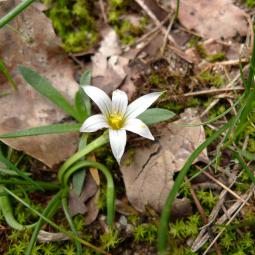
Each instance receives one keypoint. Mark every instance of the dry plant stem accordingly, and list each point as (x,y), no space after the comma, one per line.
(154,30)
(155,20)
(102,7)
(166,35)
(203,236)
(201,211)
(197,203)
(230,62)
(221,184)
(231,219)
(212,91)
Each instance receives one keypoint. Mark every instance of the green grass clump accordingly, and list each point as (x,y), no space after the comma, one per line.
(74,23)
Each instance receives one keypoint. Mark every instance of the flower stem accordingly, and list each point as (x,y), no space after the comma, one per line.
(100,141)
(110,196)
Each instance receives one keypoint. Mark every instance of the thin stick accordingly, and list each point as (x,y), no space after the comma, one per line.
(221,184)
(231,219)
(212,91)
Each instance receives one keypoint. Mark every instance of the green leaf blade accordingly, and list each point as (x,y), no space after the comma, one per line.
(45,88)
(155,115)
(43,130)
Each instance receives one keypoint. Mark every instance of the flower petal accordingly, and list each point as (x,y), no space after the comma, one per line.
(100,98)
(138,127)
(141,104)
(118,139)
(119,102)
(94,123)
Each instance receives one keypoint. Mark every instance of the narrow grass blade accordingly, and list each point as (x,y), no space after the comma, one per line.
(44,87)
(245,167)
(5,207)
(48,212)
(70,221)
(7,75)
(43,130)
(80,176)
(54,225)
(13,167)
(165,216)
(15,12)
(44,185)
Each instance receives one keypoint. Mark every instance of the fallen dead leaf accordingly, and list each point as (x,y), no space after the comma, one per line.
(108,66)
(218,19)
(77,204)
(34,44)
(149,178)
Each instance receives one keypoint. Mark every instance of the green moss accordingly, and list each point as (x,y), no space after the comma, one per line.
(75,23)
(207,199)
(182,229)
(193,42)
(110,239)
(130,157)
(146,233)
(216,57)
(157,80)
(250,3)
(211,78)
(209,57)
(127,31)
(178,107)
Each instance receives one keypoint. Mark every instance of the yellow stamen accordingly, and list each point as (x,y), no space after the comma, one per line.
(116,121)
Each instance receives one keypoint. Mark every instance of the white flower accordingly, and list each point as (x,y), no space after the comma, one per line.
(118,116)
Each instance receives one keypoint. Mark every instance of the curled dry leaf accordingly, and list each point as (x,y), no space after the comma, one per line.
(149,177)
(45,237)
(34,44)
(108,66)
(218,19)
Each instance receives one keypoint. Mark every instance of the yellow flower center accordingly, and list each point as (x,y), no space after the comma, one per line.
(116,121)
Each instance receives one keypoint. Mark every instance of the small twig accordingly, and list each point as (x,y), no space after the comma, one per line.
(154,30)
(231,219)
(101,4)
(221,184)
(201,211)
(212,91)
(197,202)
(231,62)
(155,20)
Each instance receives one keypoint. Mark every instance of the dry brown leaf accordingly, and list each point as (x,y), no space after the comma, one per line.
(35,45)
(93,209)
(108,67)
(218,19)
(149,178)
(77,203)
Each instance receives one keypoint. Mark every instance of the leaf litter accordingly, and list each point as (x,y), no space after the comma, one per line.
(32,42)
(149,174)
